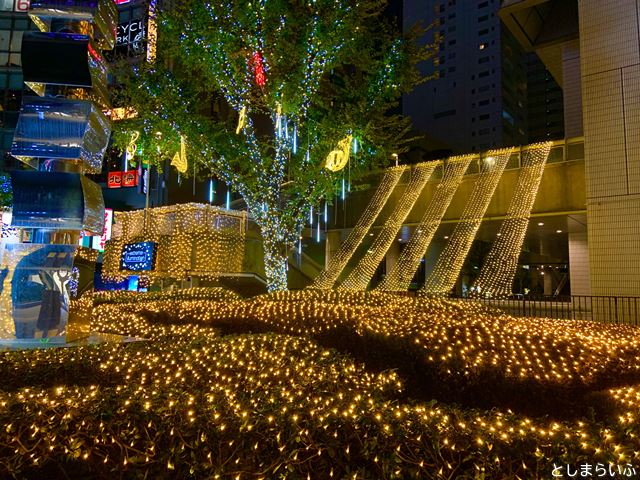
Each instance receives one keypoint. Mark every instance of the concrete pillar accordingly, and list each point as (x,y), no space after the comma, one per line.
(548,283)
(610,69)
(572,90)
(392,255)
(579,264)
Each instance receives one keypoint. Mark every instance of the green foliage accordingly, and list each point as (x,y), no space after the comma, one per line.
(331,69)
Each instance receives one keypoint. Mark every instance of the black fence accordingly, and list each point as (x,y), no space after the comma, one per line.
(576,307)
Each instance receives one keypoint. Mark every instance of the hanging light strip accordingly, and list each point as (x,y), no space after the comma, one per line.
(499,269)
(329,275)
(450,261)
(360,277)
(409,261)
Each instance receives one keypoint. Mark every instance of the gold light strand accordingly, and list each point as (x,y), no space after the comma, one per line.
(330,274)
(192,239)
(450,261)
(359,278)
(499,268)
(409,261)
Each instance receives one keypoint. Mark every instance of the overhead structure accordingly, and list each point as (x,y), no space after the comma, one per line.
(449,263)
(399,278)
(361,275)
(61,134)
(499,268)
(327,278)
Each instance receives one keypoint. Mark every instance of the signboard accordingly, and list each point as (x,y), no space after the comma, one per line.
(122,179)
(15,5)
(130,178)
(138,257)
(114,180)
(98,242)
(131,32)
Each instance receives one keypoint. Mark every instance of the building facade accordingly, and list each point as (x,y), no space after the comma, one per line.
(478,99)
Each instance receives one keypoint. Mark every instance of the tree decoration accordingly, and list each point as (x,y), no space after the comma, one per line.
(333,67)
(180,158)
(338,158)
(242,120)
(257,66)
(132,147)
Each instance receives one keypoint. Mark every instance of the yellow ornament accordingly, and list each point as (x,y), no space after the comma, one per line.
(180,158)
(242,120)
(338,158)
(132,147)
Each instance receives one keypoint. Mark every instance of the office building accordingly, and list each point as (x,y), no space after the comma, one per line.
(478,100)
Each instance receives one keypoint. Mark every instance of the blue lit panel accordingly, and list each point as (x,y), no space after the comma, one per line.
(58,128)
(138,257)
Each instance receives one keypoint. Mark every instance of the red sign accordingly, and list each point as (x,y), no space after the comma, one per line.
(130,178)
(114,180)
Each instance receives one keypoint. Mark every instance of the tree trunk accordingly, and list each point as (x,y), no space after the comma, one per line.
(275,261)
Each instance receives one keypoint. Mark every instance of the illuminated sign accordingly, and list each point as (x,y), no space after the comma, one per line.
(122,179)
(131,32)
(138,257)
(114,180)
(98,242)
(130,178)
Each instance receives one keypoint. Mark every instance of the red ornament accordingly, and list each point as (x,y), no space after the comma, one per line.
(256,63)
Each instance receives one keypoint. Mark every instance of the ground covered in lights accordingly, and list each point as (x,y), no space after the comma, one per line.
(322,385)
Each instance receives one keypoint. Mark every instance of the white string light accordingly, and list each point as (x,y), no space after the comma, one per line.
(408,263)
(499,268)
(336,264)
(449,263)
(360,277)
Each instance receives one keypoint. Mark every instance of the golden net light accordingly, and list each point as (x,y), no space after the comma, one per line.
(192,239)
(449,263)
(408,262)
(499,269)
(339,260)
(361,275)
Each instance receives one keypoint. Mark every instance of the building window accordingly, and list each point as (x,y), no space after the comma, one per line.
(446,113)
(484,31)
(483,59)
(483,74)
(483,18)
(482,46)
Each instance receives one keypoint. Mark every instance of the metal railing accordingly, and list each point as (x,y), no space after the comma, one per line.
(608,309)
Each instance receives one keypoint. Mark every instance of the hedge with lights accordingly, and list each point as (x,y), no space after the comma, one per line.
(298,83)
(190,403)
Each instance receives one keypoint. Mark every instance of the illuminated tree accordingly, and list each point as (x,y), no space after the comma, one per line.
(301,83)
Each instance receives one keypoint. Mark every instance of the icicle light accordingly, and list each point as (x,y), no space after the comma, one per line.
(499,269)
(450,261)
(409,261)
(359,278)
(330,274)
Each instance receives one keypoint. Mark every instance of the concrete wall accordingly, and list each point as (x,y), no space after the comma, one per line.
(562,189)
